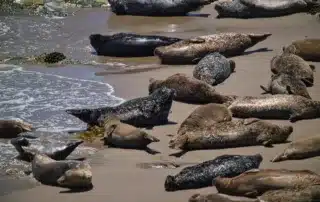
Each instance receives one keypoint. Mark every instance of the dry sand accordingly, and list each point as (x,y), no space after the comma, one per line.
(116,177)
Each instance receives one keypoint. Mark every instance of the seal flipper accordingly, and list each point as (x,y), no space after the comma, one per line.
(279,157)
(151,151)
(251,194)
(266,91)
(108,134)
(288,88)
(295,117)
(65,152)
(313,67)
(267,143)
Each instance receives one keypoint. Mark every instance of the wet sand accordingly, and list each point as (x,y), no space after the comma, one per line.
(116,177)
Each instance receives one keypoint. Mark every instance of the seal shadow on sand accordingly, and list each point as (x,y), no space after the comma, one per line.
(259,50)
(76,190)
(147,149)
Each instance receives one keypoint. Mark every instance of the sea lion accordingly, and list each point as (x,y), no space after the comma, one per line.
(190,51)
(255,182)
(12,128)
(300,149)
(204,174)
(308,49)
(216,198)
(128,44)
(286,84)
(188,89)
(27,154)
(156,7)
(214,69)
(144,111)
(66,173)
(293,65)
(280,106)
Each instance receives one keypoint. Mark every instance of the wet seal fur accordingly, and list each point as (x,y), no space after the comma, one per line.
(286,84)
(12,128)
(140,112)
(188,89)
(308,49)
(128,44)
(190,51)
(216,198)
(300,149)
(214,69)
(255,182)
(204,174)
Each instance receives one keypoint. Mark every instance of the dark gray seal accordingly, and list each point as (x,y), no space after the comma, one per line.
(128,44)
(281,106)
(216,198)
(214,69)
(204,174)
(286,84)
(308,49)
(27,154)
(144,111)
(190,51)
(300,149)
(12,128)
(156,7)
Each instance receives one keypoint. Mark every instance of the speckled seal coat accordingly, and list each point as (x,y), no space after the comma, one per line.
(214,69)
(308,49)
(216,198)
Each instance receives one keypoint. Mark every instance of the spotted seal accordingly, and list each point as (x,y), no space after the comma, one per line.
(190,51)
(12,128)
(216,198)
(204,174)
(308,49)
(214,69)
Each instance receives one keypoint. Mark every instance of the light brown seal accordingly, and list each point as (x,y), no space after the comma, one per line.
(255,182)
(12,128)
(308,49)
(300,149)
(190,51)
(216,198)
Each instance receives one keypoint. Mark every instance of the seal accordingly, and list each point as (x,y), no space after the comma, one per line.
(216,198)
(300,149)
(286,84)
(140,112)
(204,174)
(27,154)
(214,69)
(188,89)
(122,135)
(308,49)
(128,44)
(281,106)
(12,128)
(66,173)
(190,51)
(255,182)
(156,7)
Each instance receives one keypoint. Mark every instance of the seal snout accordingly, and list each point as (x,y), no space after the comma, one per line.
(170,184)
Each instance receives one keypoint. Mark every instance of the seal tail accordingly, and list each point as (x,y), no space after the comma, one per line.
(84,115)
(278,158)
(151,138)
(266,91)
(63,154)
(256,38)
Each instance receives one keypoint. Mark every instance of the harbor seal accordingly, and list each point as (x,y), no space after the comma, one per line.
(280,106)
(26,153)
(214,69)
(156,7)
(216,198)
(128,44)
(188,89)
(12,128)
(204,174)
(286,84)
(190,51)
(308,49)
(66,173)
(140,112)
(300,149)
(255,182)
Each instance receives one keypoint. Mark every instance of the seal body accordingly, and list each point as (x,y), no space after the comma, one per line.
(128,44)
(286,84)
(254,183)
(12,128)
(156,7)
(214,69)
(190,51)
(145,111)
(281,106)
(300,149)
(308,49)
(204,174)
(215,198)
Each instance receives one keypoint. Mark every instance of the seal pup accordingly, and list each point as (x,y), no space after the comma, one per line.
(66,173)
(188,89)
(204,174)
(286,84)
(12,128)
(190,51)
(26,153)
(300,149)
(255,182)
(122,135)
(214,69)
(128,44)
(140,112)
(308,49)
(280,106)
(156,7)
(216,198)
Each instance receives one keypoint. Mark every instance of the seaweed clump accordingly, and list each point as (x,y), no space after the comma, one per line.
(51,58)
(93,133)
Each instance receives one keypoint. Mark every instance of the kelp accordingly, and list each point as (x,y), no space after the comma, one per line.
(93,133)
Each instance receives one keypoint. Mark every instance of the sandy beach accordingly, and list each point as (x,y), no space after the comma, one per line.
(116,178)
